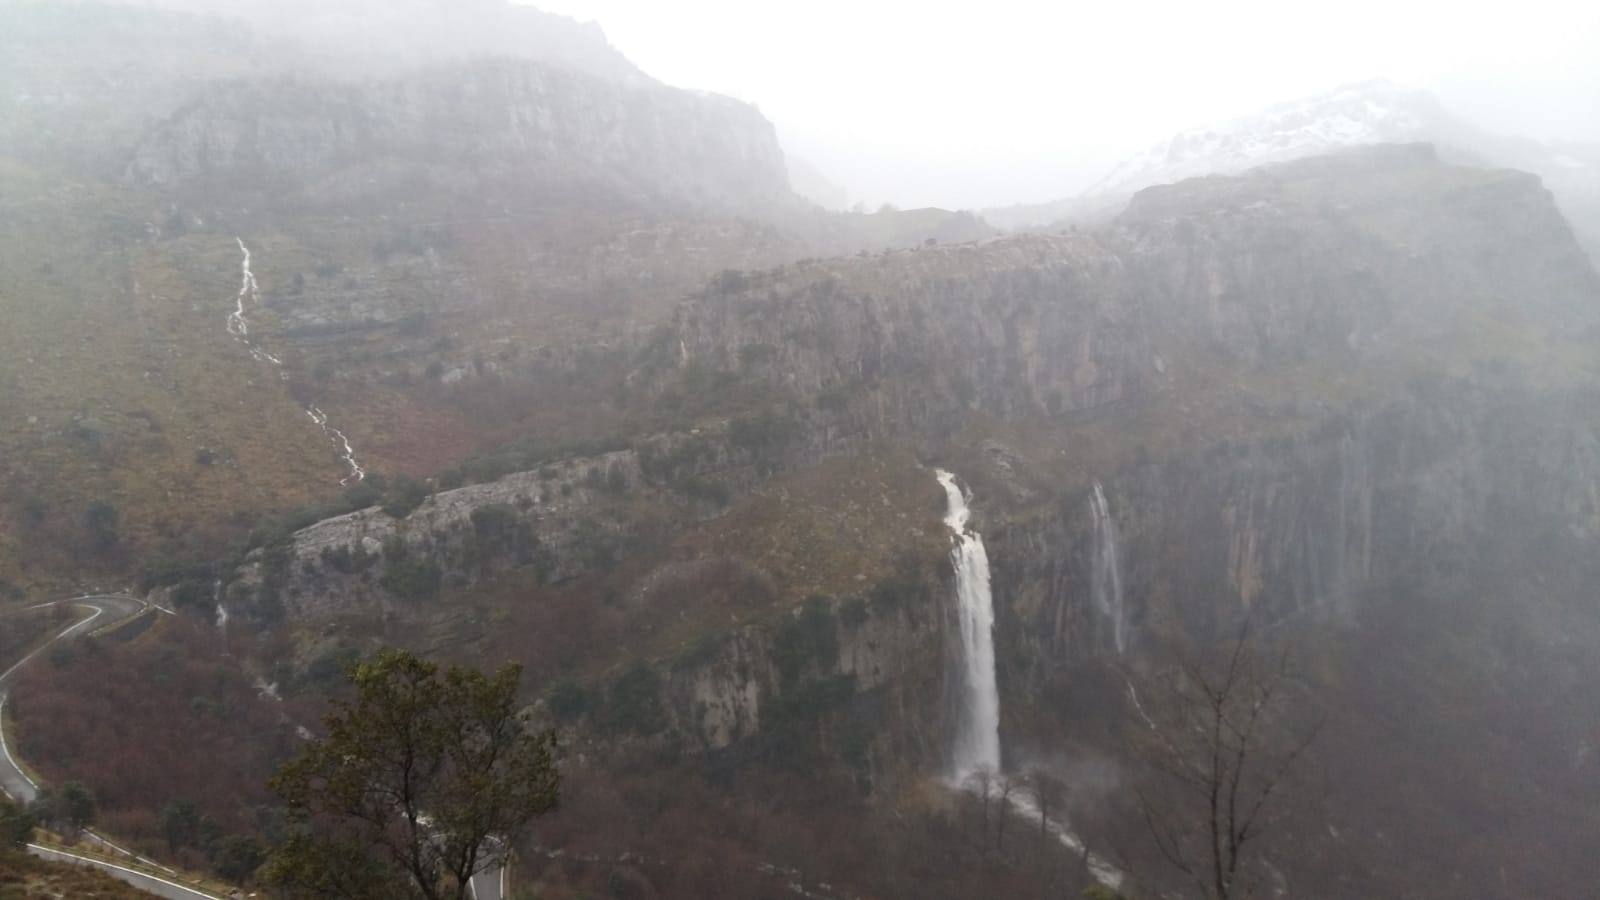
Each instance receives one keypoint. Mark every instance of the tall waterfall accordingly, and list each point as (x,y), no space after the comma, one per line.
(1105,575)
(978,735)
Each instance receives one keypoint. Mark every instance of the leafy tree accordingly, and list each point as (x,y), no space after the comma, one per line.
(634,702)
(180,824)
(78,806)
(16,824)
(237,857)
(425,779)
(70,807)
(404,495)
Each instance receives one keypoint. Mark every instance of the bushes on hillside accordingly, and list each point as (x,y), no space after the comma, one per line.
(404,495)
(807,641)
(412,578)
(16,824)
(633,703)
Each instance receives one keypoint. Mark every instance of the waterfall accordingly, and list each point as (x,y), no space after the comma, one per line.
(1105,576)
(239,327)
(222,618)
(346,452)
(978,733)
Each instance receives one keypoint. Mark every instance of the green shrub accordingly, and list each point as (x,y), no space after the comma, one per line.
(412,579)
(405,494)
(700,651)
(633,704)
(193,594)
(807,640)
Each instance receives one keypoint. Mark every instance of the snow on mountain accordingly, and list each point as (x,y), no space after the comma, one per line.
(1370,112)
(1367,113)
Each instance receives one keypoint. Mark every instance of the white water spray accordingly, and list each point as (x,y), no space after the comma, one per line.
(239,327)
(346,452)
(222,618)
(1105,576)
(978,735)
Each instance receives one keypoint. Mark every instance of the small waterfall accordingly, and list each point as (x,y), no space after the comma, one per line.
(978,735)
(222,618)
(1105,575)
(346,452)
(239,327)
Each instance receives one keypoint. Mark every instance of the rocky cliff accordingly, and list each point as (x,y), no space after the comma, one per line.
(1313,261)
(568,134)
(1351,399)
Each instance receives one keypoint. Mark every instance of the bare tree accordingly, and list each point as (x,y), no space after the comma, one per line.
(1047,792)
(980,783)
(1005,786)
(1220,734)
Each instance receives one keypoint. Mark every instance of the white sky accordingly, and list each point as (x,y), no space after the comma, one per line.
(982,103)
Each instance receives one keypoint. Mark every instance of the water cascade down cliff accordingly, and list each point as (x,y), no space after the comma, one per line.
(977,745)
(1105,577)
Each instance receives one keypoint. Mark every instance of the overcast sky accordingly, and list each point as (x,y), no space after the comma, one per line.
(980,103)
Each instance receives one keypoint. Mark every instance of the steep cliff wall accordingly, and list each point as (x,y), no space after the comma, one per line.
(1298,264)
(565,134)
(1432,487)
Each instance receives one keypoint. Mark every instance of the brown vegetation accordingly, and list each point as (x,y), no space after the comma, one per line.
(168,718)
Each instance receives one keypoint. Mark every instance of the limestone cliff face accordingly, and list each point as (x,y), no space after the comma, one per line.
(555,519)
(565,133)
(565,519)
(888,659)
(1375,327)
(1016,326)
(1314,260)
(1433,488)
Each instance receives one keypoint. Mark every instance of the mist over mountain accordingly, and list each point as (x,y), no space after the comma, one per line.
(1370,112)
(376,36)
(906,553)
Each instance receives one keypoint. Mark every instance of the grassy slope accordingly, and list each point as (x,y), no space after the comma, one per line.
(116,370)
(835,530)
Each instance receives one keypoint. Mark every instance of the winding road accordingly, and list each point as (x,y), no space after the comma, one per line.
(107,611)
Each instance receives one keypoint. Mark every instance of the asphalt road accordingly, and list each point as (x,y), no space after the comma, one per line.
(161,887)
(101,612)
(105,611)
(490,885)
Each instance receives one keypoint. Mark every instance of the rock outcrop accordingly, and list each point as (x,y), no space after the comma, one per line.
(1312,260)
(566,134)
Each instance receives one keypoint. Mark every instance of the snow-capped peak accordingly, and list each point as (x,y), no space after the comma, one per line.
(1365,113)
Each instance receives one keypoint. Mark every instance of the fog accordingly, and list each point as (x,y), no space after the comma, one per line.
(1015,101)
(710,450)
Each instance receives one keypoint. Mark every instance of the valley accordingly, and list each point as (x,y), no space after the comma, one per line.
(845,554)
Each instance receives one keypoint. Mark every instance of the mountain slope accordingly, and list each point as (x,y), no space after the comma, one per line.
(1373,112)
